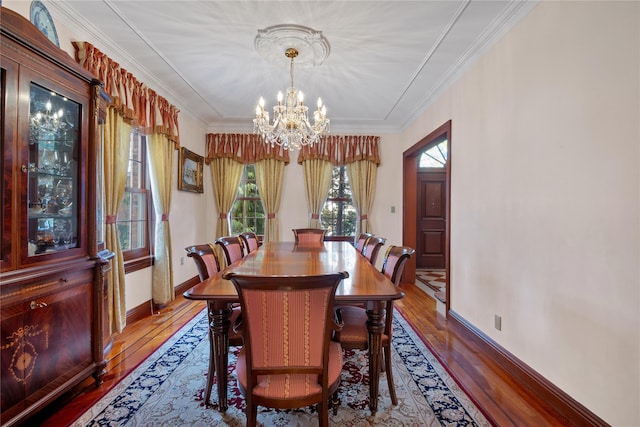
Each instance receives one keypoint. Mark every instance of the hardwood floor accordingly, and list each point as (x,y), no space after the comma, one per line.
(502,399)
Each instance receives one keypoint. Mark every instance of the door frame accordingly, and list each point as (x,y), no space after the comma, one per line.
(410,201)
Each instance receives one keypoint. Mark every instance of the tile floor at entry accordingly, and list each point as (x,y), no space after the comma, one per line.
(433,283)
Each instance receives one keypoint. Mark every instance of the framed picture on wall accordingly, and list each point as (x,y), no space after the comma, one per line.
(190,168)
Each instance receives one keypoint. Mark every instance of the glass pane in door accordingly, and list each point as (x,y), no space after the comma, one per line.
(52,223)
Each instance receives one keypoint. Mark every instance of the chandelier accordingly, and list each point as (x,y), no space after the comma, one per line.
(291,127)
(48,124)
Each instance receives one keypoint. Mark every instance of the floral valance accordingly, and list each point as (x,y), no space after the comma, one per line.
(136,102)
(244,148)
(343,149)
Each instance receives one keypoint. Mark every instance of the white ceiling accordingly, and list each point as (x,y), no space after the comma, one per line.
(387,60)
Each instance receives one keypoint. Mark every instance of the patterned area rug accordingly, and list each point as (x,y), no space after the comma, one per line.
(167,389)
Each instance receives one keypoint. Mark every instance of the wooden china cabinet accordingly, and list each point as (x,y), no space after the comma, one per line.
(54,325)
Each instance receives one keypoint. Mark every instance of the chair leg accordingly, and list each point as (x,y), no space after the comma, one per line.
(335,402)
(252,414)
(323,414)
(387,364)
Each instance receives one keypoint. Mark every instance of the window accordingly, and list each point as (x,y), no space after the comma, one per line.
(338,215)
(247,212)
(134,216)
(434,157)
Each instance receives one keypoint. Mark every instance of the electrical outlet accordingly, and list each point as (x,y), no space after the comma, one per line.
(497,322)
(181,260)
(393,209)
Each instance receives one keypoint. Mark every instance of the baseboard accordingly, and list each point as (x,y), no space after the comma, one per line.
(139,312)
(575,413)
(186,285)
(144,310)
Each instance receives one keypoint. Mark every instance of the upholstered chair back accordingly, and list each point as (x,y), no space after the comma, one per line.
(231,248)
(362,240)
(308,235)
(205,258)
(372,247)
(249,242)
(395,259)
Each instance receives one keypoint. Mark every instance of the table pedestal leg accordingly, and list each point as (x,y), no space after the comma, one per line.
(219,326)
(212,361)
(375,326)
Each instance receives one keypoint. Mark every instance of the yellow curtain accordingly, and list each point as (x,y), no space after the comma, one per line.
(160,152)
(269,176)
(225,174)
(317,180)
(362,177)
(117,141)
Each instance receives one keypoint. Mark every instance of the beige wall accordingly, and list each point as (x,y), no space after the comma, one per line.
(545,198)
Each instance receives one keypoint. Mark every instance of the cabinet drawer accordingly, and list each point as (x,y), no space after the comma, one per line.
(46,338)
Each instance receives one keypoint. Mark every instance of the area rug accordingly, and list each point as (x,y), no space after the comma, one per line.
(167,389)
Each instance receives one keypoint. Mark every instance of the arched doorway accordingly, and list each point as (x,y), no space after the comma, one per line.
(415,182)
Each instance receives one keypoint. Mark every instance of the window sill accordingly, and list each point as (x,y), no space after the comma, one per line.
(138,264)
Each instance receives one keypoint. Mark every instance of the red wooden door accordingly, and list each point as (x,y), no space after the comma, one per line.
(432,219)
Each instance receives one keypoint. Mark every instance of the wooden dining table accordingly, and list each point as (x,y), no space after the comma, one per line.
(365,285)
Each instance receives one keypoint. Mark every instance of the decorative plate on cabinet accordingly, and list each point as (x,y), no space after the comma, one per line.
(42,20)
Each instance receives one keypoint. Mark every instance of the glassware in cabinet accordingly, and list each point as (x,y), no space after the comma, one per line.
(53,172)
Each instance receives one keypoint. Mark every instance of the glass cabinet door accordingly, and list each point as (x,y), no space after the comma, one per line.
(52,220)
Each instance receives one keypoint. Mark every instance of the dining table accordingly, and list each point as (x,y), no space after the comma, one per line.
(365,285)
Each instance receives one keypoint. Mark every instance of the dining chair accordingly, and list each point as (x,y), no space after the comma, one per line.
(362,240)
(207,264)
(372,247)
(288,359)
(231,247)
(308,235)
(354,333)
(249,241)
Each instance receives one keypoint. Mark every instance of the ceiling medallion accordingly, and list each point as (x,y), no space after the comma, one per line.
(313,48)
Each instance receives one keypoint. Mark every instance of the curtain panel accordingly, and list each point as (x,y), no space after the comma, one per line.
(225,175)
(269,177)
(117,137)
(133,100)
(362,176)
(317,181)
(160,154)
